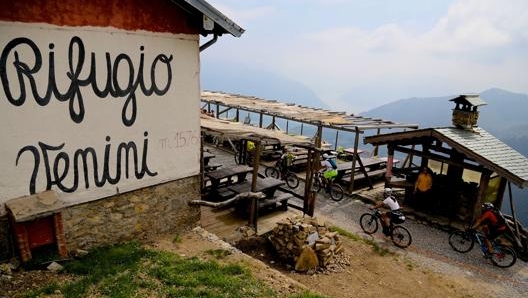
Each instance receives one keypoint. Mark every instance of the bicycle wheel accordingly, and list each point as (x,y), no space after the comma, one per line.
(461,241)
(401,237)
(503,257)
(249,160)
(316,184)
(292,180)
(336,192)
(272,172)
(237,158)
(368,223)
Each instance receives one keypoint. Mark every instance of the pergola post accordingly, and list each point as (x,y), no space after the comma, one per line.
(253,216)
(354,160)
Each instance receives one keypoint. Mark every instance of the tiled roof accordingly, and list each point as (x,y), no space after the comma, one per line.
(476,144)
(489,151)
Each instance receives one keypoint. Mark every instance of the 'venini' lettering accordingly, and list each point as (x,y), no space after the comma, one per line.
(61,167)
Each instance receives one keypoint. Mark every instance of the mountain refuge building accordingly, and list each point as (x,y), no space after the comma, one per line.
(100,120)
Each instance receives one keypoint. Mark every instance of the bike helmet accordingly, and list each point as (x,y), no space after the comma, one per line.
(387,191)
(325,156)
(488,206)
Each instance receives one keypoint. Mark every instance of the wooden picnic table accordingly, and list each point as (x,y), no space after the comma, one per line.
(367,166)
(207,156)
(300,159)
(372,163)
(208,165)
(266,185)
(350,151)
(226,175)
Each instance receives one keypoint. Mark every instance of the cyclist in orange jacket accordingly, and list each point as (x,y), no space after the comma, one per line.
(492,223)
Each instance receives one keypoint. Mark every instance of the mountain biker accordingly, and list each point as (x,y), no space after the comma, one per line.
(329,170)
(286,160)
(395,210)
(492,223)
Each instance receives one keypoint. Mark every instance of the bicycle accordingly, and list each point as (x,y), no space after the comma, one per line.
(464,241)
(400,236)
(278,171)
(244,157)
(335,190)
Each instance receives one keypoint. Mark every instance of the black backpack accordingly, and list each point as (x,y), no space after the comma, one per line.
(333,163)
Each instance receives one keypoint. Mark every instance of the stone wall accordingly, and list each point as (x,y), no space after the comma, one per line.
(135,215)
(306,242)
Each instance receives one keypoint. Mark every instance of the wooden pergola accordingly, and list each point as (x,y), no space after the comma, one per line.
(261,137)
(222,103)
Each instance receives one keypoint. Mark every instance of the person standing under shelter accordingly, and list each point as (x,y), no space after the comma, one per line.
(422,188)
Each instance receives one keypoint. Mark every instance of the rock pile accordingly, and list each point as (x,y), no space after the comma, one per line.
(305,242)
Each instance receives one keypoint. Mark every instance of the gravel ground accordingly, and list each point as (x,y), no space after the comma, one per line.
(430,245)
(430,248)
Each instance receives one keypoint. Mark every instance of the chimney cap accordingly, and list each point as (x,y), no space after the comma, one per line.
(469,99)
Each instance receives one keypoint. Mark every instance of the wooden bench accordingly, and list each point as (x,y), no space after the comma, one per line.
(225,193)
(211,167)
(359,175)
(299,162)
(281,199)
(243,207)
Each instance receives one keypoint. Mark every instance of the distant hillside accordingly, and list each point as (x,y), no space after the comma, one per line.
(240,79)
(504,116)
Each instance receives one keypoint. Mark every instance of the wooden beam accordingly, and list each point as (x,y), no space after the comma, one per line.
(444,159)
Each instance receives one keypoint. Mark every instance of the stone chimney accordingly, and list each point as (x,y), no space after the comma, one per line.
(465,114)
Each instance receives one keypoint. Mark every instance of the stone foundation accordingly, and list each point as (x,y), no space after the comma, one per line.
(135,215)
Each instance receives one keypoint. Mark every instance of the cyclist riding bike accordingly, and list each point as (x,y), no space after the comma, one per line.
(492,224)
(286,160)
(329,170)
(394,213)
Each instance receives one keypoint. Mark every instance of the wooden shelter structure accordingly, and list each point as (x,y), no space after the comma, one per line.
(261,137)
(221,103)
(471,165)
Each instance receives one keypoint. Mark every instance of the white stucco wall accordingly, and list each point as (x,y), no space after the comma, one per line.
(40,141)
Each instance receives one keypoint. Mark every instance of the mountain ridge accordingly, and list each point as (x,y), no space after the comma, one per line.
(242,79)
(503,115)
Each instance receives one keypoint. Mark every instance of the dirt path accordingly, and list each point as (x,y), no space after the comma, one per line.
(369,274)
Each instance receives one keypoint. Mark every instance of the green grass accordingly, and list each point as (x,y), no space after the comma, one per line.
(218,253)
(177,238)
(129,270)
(375,246)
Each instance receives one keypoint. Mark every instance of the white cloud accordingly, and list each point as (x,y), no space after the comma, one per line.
(471,45)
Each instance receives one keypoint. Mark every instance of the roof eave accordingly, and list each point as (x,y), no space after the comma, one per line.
(224,23)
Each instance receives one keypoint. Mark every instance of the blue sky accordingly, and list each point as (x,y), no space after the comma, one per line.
(360,54)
